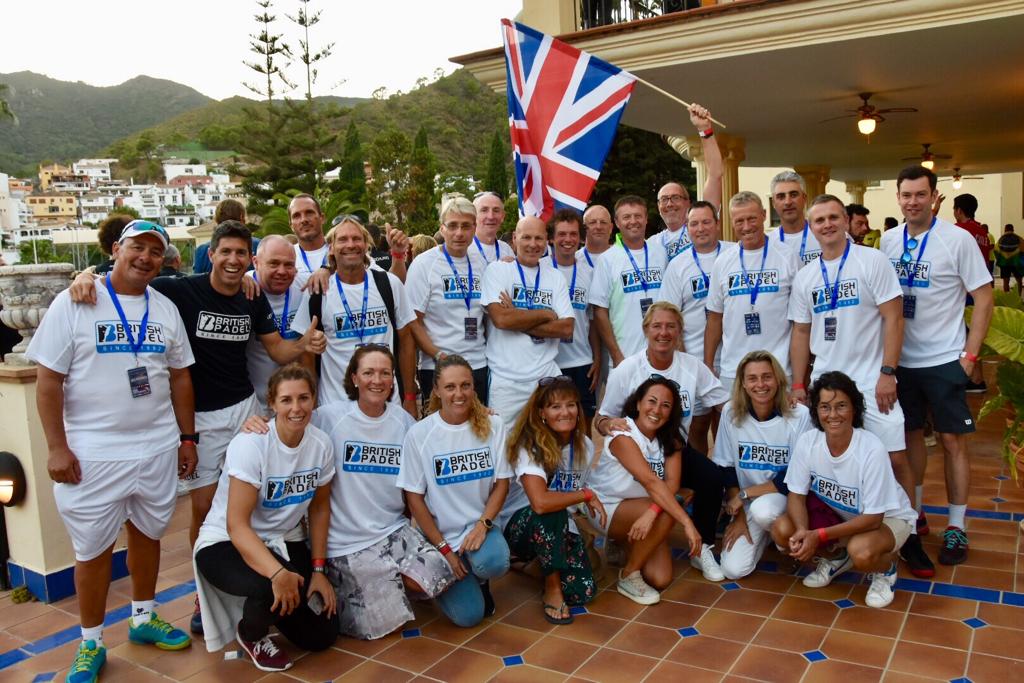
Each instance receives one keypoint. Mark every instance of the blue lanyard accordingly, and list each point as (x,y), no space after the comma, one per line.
(467,294)
(834,294)
(360,328)
(696,260)
(497,249)
(133,344)
(636,270)
(305,259)
(283,325)
(572,284)
(760,274)
(586,255)
(526,291)
(803,239)
(920,253)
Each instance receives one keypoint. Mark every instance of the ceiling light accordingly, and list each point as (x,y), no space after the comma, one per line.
(928,163)
(957,183)
(866,126)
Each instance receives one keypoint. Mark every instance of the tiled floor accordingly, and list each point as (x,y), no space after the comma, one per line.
(767,627)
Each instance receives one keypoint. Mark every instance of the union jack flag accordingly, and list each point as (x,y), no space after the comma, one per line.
(564,106)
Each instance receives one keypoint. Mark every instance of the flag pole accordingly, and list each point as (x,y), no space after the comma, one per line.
(671,96)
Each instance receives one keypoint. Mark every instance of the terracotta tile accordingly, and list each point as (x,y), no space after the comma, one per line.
(671,615)
(375,672)
(502,640)
(990,559)
(806,611)
(44,624)
(832,670)
(706,652)
(983,578)
(729,625)
(998,542)
(900,601)
(938,606)
(749,602)
(858,648)
(900,677)
(237,670)
(768,581)
(591,628)
(868,620)
(834,591)
(442,629)
(613,604)
(785,635)
(529,616)
(670,672)
(558,654)
(465,666)
(527,674)
(322,666)
(121,671)
(991,526)
(9,642)
(999,641)
(181,665)
(414,654)
(366,648)
(614,666)
(986,669)
(646,640)
(770,665)
(1001,615)
(929,661)
(934,631)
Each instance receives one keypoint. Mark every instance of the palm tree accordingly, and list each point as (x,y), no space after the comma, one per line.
(5,109)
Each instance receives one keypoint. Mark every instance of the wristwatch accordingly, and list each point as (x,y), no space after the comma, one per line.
(488,524)
(744,495)
(888,370)
(194,438)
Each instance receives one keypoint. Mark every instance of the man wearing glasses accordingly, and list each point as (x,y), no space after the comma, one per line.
(938,264)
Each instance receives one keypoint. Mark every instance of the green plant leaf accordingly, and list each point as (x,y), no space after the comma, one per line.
(1006,333)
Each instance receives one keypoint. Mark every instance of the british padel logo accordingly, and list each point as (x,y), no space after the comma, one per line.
(762,456)
(453,468)
(292,490)
(372,458)
(223,327)
(842,498)
(111,337)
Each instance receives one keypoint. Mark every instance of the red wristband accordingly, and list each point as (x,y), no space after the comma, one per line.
(706,133)
(588,495)
(822,535)
(445,549)
(799,385)
(970,356)
(655,509)
(398,255)
(319,562)
(409,396)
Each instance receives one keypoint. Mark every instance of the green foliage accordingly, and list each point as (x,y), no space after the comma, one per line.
(498,167)
(1006,338)
(124,211)
(511,214)
(5,109)
(389,158)
(41,251)
(420,197)
(309,57)
(352,177)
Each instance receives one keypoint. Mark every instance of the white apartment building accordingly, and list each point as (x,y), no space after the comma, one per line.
(176,167)
(93,207)
(97,170)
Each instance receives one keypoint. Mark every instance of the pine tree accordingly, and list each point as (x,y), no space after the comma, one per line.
(352,178)
(419,197)
(497,176)
(389,164)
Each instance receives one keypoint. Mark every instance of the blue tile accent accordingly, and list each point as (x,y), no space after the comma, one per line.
(60,584)
(768,566)
(990,514)
(117,615)
(12,657)
(731,586)
(935,509)
(815,656)
(961,680)
(975,622)
(175,592)
(16,573)
(512,660)
(578,610)
(849,577)
(687,632)
(1016,599)
(843,604)
(44,677)
(1001,477)
(997,499)
(951,590)
(914,585)
(411,633)
(53,640)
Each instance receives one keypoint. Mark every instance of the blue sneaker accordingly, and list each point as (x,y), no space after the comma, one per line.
(89,659)
(158,632)
(196,625)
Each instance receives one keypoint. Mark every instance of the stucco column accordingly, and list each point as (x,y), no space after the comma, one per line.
(856,190)
(816,177)
(733,154)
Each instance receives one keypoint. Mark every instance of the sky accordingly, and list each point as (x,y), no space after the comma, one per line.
(201,43)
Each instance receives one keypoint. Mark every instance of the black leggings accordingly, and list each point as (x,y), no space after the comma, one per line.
(223,566)
(704,477)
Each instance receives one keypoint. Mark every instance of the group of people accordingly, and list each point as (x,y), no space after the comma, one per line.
(354,440)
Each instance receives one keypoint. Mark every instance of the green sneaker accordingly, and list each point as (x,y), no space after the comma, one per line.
(89,659)
(158,632)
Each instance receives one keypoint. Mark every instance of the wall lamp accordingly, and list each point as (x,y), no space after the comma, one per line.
(12,480)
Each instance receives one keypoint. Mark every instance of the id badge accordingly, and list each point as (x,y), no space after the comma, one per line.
(644,305)
(537,340)
(566,340)
(831,323)
(138,380)
(752,323)
(909,306)
(470,327)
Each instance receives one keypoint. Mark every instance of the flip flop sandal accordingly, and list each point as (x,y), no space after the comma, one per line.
(557,621)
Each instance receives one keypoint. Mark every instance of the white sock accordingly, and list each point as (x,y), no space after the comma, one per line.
(918,496)
(956,515)
(142,610)
(93,633)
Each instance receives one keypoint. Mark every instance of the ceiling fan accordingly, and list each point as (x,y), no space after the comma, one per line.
(927,157)
(958,178)
(868,116)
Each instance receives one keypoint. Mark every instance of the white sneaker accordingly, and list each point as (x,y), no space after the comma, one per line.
(636,589)
(827,570)
(707,564)
(880,593)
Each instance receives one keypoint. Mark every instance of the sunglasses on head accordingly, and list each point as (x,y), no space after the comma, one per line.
(560,379)
(663,378)
(144,226)
(337,220)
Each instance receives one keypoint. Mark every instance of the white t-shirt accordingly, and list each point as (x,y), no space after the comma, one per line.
(435,291)
(286,479)
(366,506)
(858,482)
(343,336)
(88,344)
(621,288)
(759,450)
(307,266)
(612,483)
(698,386)
(670,243)
(590,257)
(686,286)
(261,365)
(491,253)
(454,469)
(516,356)
(803,243)
(569,476)
(854,343)
(576,351)
(950,266)
(731,293)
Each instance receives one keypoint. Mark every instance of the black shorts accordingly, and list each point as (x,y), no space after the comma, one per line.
(940,390)
(588,401)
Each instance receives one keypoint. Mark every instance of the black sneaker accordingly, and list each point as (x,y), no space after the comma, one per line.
(922,525)
(976,387)
(485,588)
(954,546)
(196,624)
(916,558)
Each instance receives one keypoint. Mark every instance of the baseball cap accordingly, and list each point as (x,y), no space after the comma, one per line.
(137,227)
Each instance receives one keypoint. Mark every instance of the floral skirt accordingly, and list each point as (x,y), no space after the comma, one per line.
(548,539)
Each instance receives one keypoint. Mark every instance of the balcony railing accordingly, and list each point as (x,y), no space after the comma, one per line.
(594,13)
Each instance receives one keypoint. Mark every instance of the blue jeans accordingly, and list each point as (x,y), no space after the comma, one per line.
(463,603)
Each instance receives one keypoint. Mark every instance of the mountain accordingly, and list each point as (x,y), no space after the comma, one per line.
(61,120)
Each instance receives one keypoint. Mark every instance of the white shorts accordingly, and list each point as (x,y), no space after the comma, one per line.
(742,558)
(901,530)
(508,398)
(888,428)
(216,429)
(113,492)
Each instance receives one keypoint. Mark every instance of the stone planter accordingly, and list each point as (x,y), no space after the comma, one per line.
(25,293)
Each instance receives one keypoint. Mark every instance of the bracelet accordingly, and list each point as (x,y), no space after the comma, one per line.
(600,421)
(398,255)
(319,562)
(320,570)
(799,385)
(705,134)
(191,441)
(588,495)
(655,509)
(822,535)
(444,548)
(969,356)
(279,570)
(409,396)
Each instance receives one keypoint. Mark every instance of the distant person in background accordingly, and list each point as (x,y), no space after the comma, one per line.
(110,230)
(860,229)
(890,223)
(172,262)
(419,244)
(964,207)
(1008,258)
(227,210)
(379,253)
